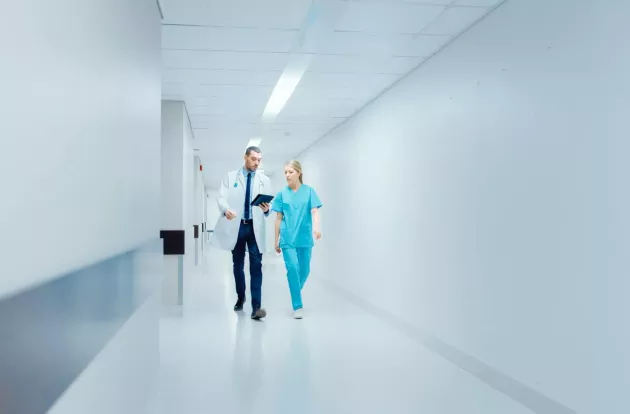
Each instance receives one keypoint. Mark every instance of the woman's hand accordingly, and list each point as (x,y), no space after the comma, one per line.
(315,213)
(279,217)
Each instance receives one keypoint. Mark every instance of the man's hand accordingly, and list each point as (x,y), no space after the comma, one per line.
(264,207)
(317,235)
(278,249)
(230,215)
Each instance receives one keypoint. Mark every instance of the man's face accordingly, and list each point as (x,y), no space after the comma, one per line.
(252,161)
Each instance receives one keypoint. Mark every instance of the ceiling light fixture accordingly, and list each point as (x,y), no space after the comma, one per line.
(287,83)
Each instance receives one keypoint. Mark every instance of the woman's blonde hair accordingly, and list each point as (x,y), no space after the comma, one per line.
(297,167)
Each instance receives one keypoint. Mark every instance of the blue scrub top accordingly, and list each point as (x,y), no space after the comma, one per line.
(296,229)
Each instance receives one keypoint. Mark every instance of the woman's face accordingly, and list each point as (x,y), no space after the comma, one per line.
(291,175)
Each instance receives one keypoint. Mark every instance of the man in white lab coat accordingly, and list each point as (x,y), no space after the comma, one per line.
(241,227)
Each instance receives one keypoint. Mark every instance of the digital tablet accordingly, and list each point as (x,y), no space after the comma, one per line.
(262,198)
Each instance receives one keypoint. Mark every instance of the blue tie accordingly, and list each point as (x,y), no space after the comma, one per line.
(247,196)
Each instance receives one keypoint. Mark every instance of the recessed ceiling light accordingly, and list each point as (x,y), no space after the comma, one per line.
(287,83)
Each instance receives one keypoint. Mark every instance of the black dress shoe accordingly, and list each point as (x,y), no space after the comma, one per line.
(259,313)
(239,305)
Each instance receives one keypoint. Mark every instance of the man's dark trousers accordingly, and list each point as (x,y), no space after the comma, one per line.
(247,238)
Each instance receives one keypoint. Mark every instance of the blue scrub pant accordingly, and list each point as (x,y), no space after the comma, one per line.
(298,264)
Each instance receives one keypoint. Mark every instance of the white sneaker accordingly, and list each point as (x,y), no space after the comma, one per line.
(298,314)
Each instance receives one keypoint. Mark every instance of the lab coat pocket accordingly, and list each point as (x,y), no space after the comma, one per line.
(226,233)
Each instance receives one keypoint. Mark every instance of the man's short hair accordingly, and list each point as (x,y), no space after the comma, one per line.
(251,149)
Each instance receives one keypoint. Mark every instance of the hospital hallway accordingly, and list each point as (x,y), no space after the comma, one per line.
(453,173)
(346,355)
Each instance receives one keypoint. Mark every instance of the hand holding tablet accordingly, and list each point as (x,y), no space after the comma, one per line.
(262,199)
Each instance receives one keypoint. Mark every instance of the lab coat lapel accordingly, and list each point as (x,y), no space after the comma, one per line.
(256,185)
(241,179)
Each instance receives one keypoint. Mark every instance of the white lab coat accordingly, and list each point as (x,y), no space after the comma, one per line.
(232,197)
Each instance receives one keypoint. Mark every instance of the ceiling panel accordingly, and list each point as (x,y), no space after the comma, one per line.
(299,127)
(323,107)
(375,46)
(283,149)
(216,132)
(296,124)
(221,76)
(444,2)
(486,3)
(212,100)
(282,14)
(357,43)
(388,17)
(303,94)
(255,92)
(335,92)
(276,135)
(209,119)
(363,64)
(455,20)
(422,46)
(223,59)
(201,59)
(193,94)
(347,80)
(226,39)
(246,107)
(315,112)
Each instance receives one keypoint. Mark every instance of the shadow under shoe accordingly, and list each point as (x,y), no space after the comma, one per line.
(259,313)
(239,304)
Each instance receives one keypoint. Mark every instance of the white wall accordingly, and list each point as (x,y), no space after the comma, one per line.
(80,180)
(79,146)
(180,172)
(189,193)
(485,199)
(189,173)
(172,206)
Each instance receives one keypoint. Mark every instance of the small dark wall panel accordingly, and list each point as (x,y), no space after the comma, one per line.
(174,241)
(196,228)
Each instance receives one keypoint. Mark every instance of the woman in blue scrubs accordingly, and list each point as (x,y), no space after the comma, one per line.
(297,224)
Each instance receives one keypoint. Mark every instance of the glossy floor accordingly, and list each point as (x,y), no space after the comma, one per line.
(338,359)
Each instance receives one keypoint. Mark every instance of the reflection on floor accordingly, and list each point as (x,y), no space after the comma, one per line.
(338,359)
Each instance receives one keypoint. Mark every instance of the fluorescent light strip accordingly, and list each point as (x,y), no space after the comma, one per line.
(290,78)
